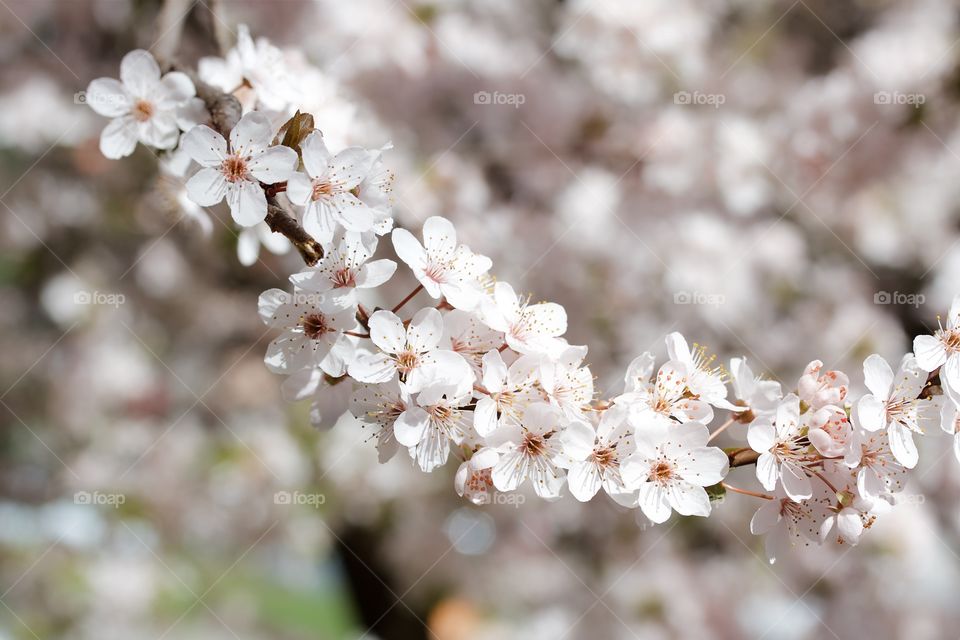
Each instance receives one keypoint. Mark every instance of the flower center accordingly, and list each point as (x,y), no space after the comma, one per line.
(343,278)
(480,481)
(407,361)
(534,444)
(661,472)
(322,189)
(436,271)
(142,111)
(605,456)
(315,325)
(951,340)
(234,168)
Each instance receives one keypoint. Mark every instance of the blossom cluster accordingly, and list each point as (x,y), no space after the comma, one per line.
(483,374)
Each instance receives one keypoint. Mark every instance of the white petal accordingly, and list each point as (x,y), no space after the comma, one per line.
(351,213)
(765,518)
(930,352)
(269,306)
(707,466)
(349,167)
(425,330)
(319,222)
(902,446)
(767,471)
(495,371)
(119,138)
(204,145)
(578,439)
(548,318)
(299,189)
(179,88)
(254,131)
(387,331)
(439,237)
(108,97)
(796,483)
(374,274)
(485,416)
(248,204)
(276,164)
(139,72)
(688,499)
(584,480)
(761,436)
(410,426)
(316,157)
(510,471)
(654,503)
(373,368)
(878,376)
(408,248)
(207,187)
(872,413)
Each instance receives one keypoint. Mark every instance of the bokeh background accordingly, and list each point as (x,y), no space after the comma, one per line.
(776,179)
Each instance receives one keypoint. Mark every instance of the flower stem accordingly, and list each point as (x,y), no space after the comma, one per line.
(746,492)
(408,298)
(720,430)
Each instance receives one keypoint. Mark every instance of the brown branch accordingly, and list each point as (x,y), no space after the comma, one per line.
(283,223)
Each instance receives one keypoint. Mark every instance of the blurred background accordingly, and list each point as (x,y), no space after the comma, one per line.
(775,179)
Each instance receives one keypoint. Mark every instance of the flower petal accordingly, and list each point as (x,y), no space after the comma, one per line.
(207,187)
(275,164)
(248,204)
(139,72)
(205,145)
(108,97)
(119,138)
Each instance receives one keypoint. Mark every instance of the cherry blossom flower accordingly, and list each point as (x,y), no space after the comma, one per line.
(379,406)
(671,466)
(313,327)
(787,523)
(528,328)
(759,397)
(942,349)
(816,390)
(506,391)
(569,386)
(258,64)
(250,239)
(782,449)
(893,404)
(703,379)
(411,352)
(442,266)
(345,268)
(828,430)
(465,333)
(235,172)
(849,512)
(429,425)
(664,399)
(474,480)
(144,106)
(597,453)
(877,469)
(531,450)
(326,190)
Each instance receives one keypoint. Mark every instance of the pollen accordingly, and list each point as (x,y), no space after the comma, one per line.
(315,326)
(234,168)
(142,111)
